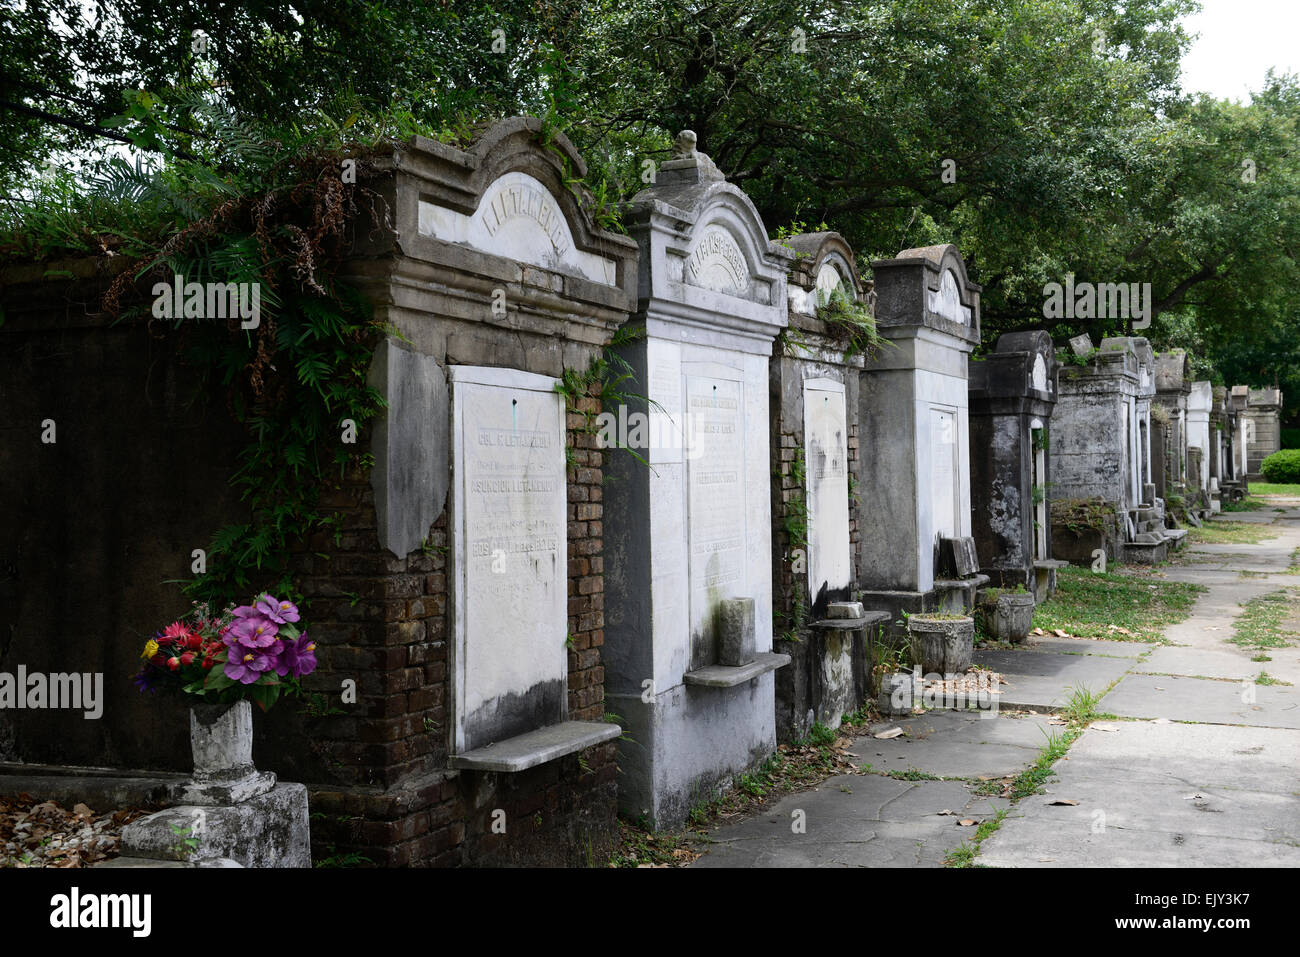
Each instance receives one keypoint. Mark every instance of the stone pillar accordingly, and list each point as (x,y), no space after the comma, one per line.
(1264,412)
(1199,402)
(1012,394)
(914,419)
(1173,385)
(813,399)
(691,527)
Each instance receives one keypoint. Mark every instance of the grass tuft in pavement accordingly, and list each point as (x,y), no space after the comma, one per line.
(1264,622)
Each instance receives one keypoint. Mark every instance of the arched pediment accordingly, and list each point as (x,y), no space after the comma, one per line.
(505,195)
(824,262)
(947,296)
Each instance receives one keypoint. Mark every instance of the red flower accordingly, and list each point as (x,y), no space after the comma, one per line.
(187,658)
(194,642)
(173,663)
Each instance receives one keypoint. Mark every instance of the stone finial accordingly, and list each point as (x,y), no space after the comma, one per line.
(869,297)
(688,164)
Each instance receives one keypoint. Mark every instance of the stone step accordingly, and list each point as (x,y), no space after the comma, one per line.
(1146,553)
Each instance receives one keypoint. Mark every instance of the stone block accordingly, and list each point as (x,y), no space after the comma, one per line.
(957,558)
(269,830)
(736,634)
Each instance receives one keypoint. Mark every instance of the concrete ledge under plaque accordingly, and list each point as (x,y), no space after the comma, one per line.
(722,676)
(852,624)
(528,750)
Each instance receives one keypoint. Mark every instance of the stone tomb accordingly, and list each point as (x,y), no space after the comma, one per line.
(690,534)
(1012,394)
(1092,453)
(491,533)
(1173,386)
(814,446)
(913,417)
(1200,402)
(1265,427)
(1232,483)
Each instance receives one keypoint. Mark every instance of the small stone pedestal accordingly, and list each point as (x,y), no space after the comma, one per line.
(229,811)
(1008,617)
(942,645)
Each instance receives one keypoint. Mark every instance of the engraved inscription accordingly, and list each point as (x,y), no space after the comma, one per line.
(716,263)
(520,200)
(716,504)
(511,551)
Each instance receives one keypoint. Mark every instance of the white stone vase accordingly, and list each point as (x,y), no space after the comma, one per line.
(221,737)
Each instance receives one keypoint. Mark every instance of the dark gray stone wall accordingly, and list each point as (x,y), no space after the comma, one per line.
(93,525)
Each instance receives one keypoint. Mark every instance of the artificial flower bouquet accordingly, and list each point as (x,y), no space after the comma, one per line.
(256,651)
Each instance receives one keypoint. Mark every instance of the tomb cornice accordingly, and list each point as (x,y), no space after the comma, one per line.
(749,330)
(466,207)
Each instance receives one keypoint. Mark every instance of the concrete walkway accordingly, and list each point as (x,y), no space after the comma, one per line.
(1202,767)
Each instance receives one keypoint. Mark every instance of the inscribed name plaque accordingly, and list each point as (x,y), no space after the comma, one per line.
(944,494)
(715,504)
(716,263)
(518,219)
(826,468)
(509,554)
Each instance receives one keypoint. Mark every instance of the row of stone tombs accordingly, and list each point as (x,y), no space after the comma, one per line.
(705,557)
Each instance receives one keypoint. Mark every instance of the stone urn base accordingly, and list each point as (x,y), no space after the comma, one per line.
(221,737)
(229,813)
(942,644)
(1008,617)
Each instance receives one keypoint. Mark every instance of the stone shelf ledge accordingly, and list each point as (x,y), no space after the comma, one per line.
(851,624)
(725,676)
(1050,563)
(528,750)
(974,581)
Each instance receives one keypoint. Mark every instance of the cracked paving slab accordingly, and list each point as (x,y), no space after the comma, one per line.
(1204,700)
(1153,795)
(955,744)
(863,820)
(1046,680)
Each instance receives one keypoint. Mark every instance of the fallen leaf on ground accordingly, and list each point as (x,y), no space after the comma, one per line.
(945,811)
(891,733)
(965,823)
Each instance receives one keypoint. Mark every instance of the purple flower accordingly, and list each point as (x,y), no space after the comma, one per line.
(245,611)
(254,632)
(298,658)
(246,665)
(147,680)
(280,612)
